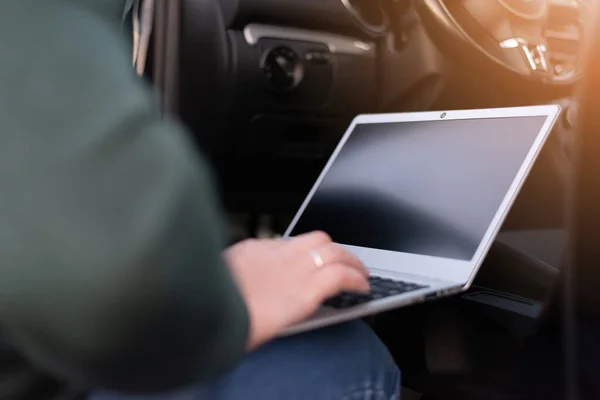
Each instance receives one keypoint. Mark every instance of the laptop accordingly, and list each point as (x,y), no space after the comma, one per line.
(419,198)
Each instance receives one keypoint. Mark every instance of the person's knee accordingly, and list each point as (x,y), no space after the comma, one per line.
(346,361)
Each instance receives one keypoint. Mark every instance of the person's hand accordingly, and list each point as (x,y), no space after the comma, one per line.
(283,283)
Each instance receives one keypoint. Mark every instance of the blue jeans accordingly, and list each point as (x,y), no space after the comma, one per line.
(345,361)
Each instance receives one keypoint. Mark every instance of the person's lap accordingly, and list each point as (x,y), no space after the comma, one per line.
(346,361)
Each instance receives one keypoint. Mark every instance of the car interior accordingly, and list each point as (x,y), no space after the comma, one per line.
(268,88)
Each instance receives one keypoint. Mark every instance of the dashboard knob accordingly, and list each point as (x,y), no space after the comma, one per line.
(282,68)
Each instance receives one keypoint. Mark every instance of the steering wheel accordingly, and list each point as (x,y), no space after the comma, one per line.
(508,35)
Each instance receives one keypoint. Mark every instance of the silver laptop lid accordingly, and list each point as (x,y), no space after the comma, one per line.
(425,191)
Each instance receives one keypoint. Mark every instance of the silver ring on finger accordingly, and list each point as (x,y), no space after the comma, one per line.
(317,258)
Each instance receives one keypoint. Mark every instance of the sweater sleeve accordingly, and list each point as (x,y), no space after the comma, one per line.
(110,233)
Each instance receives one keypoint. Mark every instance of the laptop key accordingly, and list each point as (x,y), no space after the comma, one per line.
(380,288)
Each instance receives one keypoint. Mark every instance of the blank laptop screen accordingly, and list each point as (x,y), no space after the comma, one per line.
(426,187)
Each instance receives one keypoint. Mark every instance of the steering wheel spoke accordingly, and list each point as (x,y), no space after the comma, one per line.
(508,34)
(518,28)
(534,56)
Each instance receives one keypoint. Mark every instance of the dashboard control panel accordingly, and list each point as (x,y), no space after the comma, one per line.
(283,68)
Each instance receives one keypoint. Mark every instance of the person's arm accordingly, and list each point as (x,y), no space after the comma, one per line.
(110,234)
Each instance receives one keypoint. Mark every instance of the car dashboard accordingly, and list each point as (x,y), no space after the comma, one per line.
(271,85)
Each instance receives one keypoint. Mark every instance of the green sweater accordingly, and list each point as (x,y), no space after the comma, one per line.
(110,232)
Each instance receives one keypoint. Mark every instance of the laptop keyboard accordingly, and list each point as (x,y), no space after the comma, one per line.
(380,288)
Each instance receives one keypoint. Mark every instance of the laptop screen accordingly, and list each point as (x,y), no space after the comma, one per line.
(425,187)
